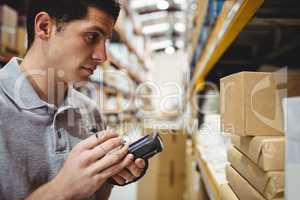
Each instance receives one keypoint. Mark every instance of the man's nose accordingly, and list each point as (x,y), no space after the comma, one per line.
(99,53)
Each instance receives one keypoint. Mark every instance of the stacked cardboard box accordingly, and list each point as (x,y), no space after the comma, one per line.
(165,178)
(227,193)
(251,110)
(8,28)
(21,40)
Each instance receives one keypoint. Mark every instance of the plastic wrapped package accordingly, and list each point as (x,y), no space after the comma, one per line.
(124,104)
(124,83)
(292,167)
(111,104)
(213,146)
(119,52)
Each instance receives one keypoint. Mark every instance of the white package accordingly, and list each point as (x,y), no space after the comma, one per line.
(292,129)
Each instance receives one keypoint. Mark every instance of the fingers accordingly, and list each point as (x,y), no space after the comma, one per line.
(127,175)
(93,141)
(106,147)
(137,167)
(119,179)
(110,160)
(140,163)
(115,169)
(120,166)
(133,168)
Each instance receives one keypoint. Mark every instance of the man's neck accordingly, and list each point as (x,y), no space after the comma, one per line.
(43,78)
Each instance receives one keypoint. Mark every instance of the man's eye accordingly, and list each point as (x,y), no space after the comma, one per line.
(92,37)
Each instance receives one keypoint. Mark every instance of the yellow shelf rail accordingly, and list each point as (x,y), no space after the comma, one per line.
(234,16)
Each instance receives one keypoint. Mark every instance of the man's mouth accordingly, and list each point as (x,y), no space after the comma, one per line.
(89,69)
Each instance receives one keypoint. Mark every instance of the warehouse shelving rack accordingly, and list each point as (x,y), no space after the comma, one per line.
(233,18)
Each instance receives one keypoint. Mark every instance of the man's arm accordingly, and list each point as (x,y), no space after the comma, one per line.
(49,191)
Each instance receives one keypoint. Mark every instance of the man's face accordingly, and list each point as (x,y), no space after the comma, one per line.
(79,46)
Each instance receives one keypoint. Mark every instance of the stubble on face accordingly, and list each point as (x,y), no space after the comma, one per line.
(71,55)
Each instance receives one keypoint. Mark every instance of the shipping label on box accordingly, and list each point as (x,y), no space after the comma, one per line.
(269,184)
(251,104)
(268,152)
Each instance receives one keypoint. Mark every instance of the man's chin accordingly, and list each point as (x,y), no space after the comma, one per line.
(83,81)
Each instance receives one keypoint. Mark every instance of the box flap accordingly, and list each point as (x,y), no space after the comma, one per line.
(272,153)
(266,151)
(240,186)
(270,184)
(227,193)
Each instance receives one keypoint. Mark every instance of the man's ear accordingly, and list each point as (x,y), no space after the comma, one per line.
(43,25)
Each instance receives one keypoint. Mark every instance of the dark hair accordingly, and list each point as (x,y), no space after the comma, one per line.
(64,11)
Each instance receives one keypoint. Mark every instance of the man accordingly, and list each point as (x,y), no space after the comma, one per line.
(46,146)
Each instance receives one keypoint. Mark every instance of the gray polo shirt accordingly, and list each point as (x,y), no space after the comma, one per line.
(36,137)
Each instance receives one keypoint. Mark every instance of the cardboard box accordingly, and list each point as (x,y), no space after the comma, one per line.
(7,39)
(172,158)
(21,44)
(8,16)
(227,193)
(266,151)
(251,104)
(269,184)
(293,85)
(8,28)
(240,186)
(152,187)
(165,178)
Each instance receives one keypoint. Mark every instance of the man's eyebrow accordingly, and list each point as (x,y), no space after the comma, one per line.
(99,29)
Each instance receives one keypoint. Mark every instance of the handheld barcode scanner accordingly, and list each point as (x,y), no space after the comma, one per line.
(144,148)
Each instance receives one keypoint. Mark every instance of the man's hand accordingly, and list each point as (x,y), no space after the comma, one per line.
(131,172)
(87,168)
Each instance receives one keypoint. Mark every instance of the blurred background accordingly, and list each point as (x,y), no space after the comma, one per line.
(165,63)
